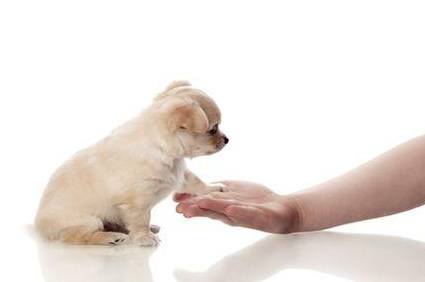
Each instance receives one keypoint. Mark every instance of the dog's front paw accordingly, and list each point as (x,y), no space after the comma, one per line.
(146,240)
(217,187)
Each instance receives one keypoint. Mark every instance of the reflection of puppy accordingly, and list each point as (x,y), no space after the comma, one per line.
(70,263)
(117,181)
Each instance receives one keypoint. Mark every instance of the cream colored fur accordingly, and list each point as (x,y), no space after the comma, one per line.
(122,177)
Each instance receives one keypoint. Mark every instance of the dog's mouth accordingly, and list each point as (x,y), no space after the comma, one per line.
(216,149)
(220,145)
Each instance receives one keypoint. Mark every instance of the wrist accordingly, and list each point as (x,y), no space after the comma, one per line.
(291,213)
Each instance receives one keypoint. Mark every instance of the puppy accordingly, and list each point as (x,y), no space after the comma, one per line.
(104,194)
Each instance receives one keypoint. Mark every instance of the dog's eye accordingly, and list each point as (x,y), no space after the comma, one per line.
(213,130)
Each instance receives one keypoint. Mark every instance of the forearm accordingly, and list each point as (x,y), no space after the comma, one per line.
(391,183)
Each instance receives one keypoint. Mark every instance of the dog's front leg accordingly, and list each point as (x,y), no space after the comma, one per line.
(136,217)
(194,185)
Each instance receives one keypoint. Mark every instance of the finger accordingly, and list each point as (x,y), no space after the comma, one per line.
(196,211)
(207,197)
(194,199)
(178,197)
(220,195)
(216,205)
(183,206)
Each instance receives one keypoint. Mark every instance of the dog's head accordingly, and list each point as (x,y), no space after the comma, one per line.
(192,119)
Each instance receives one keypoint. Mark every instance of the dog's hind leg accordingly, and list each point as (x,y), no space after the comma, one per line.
(91,233)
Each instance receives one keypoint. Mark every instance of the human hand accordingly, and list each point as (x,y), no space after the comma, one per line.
(244,204)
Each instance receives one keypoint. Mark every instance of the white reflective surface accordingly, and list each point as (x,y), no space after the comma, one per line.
(229,254)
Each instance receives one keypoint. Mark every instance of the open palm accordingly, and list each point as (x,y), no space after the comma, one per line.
(244,204)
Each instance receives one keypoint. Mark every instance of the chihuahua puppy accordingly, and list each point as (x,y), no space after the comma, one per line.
(104,194)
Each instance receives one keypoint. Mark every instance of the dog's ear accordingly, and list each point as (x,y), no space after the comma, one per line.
(189,116)
(172,88)
(177,83)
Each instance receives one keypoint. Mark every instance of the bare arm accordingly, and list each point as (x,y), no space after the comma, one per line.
(390,183)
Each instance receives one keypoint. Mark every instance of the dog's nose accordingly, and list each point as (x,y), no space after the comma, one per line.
(225,139)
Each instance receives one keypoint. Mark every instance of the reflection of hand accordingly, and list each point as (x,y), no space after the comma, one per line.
(341,255)
(244,204)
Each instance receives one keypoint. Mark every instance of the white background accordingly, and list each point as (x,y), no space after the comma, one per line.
(308,90)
